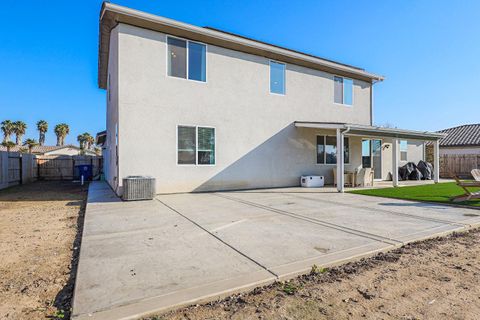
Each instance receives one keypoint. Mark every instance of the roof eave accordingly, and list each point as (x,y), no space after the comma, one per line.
(373,130)
(111,15)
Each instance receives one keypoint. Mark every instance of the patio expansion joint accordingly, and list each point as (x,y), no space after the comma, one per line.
(219,239)
(326,224)
(460,224)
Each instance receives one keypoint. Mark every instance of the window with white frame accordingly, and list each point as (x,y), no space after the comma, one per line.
(187,59)
(277,77)
(403,150)
(343,90)
(195,145)
(327,150)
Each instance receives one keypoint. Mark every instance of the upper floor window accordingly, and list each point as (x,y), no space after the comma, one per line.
(343,90)
(277,77)
(403,150)
(195,145)
(327,150)
(187,59)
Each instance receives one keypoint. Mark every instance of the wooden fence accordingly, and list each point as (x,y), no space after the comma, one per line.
(17,168)
(460,165)
(63,167)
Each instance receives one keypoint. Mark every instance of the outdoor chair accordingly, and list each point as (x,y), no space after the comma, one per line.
(465,185)
(349,178)
(476,174)
(364,177)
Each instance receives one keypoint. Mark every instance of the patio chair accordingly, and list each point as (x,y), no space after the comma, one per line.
(468,195)
(476,174)
(349,178)
(365,177)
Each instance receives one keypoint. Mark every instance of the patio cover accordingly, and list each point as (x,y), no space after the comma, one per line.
(395,134)
(372,131)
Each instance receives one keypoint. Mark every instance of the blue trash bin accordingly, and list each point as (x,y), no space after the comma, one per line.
(84,170)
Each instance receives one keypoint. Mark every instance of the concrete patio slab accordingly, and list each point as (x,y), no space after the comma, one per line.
(370,221)
(272,238)
(140,251)
(142,257)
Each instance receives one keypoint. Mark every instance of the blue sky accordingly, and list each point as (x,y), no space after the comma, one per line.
(429,52)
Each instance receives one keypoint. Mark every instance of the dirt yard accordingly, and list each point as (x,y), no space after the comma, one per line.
(39,245)
(433,279)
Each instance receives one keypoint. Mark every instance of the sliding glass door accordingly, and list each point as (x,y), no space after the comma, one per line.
(377,159)
(372,156)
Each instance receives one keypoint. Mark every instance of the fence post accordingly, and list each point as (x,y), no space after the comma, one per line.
(20,162)
(73,168)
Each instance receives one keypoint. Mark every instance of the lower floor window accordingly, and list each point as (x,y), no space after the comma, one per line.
(327,150)
(195,145)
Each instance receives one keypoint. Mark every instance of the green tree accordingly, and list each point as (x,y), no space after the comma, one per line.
(7,128)
(30,143)
(81,141)
(8,145)
(61,131)
(42,127)
(19,127)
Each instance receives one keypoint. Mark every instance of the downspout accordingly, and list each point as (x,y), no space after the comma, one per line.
(371,103)
(347,130)
(340,156)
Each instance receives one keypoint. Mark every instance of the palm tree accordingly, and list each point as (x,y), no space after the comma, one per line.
(81,140)
(61,130)
(8,145)
(86,141)
(42,127)
(19,127)
(89,140)
(30,143)
(7,128)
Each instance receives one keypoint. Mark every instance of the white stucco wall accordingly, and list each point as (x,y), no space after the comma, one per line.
(257,144)
(109,152)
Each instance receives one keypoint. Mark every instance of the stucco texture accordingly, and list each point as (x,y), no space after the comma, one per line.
(257,144)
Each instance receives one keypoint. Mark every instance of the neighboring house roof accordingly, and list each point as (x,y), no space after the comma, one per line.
(111,15)
(39,149)
(462,136)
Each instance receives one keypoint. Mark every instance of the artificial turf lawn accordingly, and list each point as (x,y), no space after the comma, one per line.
(440,192)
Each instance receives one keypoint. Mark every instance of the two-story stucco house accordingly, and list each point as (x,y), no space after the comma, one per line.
(200,109)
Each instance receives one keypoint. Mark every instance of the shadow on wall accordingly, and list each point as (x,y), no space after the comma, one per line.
(277,162)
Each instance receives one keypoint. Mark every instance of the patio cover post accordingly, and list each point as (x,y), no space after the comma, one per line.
(395,162)
(340,162)
(436,161)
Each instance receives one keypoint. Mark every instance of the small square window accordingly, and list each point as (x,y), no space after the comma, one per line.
(195,145)
(187,59)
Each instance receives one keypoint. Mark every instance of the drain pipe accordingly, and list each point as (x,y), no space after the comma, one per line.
(340,158)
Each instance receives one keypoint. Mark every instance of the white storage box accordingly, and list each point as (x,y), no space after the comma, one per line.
(312,181)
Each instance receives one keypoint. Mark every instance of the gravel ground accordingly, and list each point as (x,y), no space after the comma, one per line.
(39,242)
(433,279)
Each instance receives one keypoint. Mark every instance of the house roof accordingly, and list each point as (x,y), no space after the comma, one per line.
(111,15)
(462,136)
(372,131)
(39,149)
